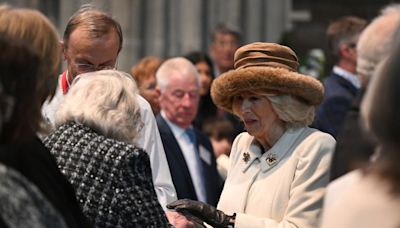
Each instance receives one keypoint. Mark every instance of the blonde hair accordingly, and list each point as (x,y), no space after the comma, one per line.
(292,111)
(105,101)
(31,27)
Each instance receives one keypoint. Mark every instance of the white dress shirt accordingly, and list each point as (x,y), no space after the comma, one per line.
(352,78)
(149,139)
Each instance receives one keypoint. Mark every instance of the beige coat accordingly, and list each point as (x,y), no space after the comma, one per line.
(283,187)
(366,202)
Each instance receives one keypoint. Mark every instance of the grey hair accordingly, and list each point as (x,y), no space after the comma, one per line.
(105,101)
(292,111)
(178,65)
(377,41)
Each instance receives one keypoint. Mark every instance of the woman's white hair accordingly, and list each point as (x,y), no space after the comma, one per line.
(105,101)
(377,40)
(292,111)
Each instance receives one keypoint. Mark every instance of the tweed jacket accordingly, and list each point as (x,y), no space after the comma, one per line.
(282,187)
(179,170)
(338,98)
(112,179)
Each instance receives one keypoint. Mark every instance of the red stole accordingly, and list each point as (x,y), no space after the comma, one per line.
(64,82)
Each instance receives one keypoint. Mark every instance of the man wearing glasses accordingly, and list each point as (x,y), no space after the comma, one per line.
(92,41)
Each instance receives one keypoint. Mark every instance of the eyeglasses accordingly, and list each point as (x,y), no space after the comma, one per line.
(83,67)
(352,45)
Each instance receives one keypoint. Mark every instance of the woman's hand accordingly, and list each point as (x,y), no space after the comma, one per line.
(205,212)
(179,220)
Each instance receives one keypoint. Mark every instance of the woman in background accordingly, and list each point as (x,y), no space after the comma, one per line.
(207,109)
(144,74)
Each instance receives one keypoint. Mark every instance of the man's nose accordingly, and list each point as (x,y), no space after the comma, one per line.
(186,100)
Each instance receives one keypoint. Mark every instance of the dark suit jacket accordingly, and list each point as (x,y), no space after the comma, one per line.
(179,170)
(338,98)
(354,146)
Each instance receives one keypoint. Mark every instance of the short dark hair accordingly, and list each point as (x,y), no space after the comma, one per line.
(95,20)
(197,56)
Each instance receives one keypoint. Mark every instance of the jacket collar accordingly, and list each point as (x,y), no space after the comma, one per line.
(274,155)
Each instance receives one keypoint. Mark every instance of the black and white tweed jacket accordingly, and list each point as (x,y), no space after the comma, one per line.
(112,179)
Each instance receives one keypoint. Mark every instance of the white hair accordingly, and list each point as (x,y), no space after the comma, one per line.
(105,101)
(178,65)
(292,111)
(377,41)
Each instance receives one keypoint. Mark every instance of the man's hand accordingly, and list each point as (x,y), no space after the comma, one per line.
(205,212)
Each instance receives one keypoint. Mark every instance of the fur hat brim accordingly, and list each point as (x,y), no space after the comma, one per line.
(261,79)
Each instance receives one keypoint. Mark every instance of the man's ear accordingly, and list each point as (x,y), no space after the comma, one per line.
(159,94)
(158,91)
(63,50)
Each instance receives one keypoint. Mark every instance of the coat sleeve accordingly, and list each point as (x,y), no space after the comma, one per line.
(150,140)
(307,189)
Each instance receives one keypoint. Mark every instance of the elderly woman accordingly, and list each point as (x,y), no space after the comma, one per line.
(279,167)
(94,149)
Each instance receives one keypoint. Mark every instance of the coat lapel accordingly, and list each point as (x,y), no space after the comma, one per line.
(176,160)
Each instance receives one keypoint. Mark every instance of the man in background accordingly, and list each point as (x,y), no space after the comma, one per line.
(189,152)
(354,147)
(225,41)
(342,85)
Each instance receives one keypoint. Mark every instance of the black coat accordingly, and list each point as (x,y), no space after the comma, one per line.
(179,170)
(36,163)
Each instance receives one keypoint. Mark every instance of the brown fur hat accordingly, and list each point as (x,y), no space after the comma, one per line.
(265,68)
